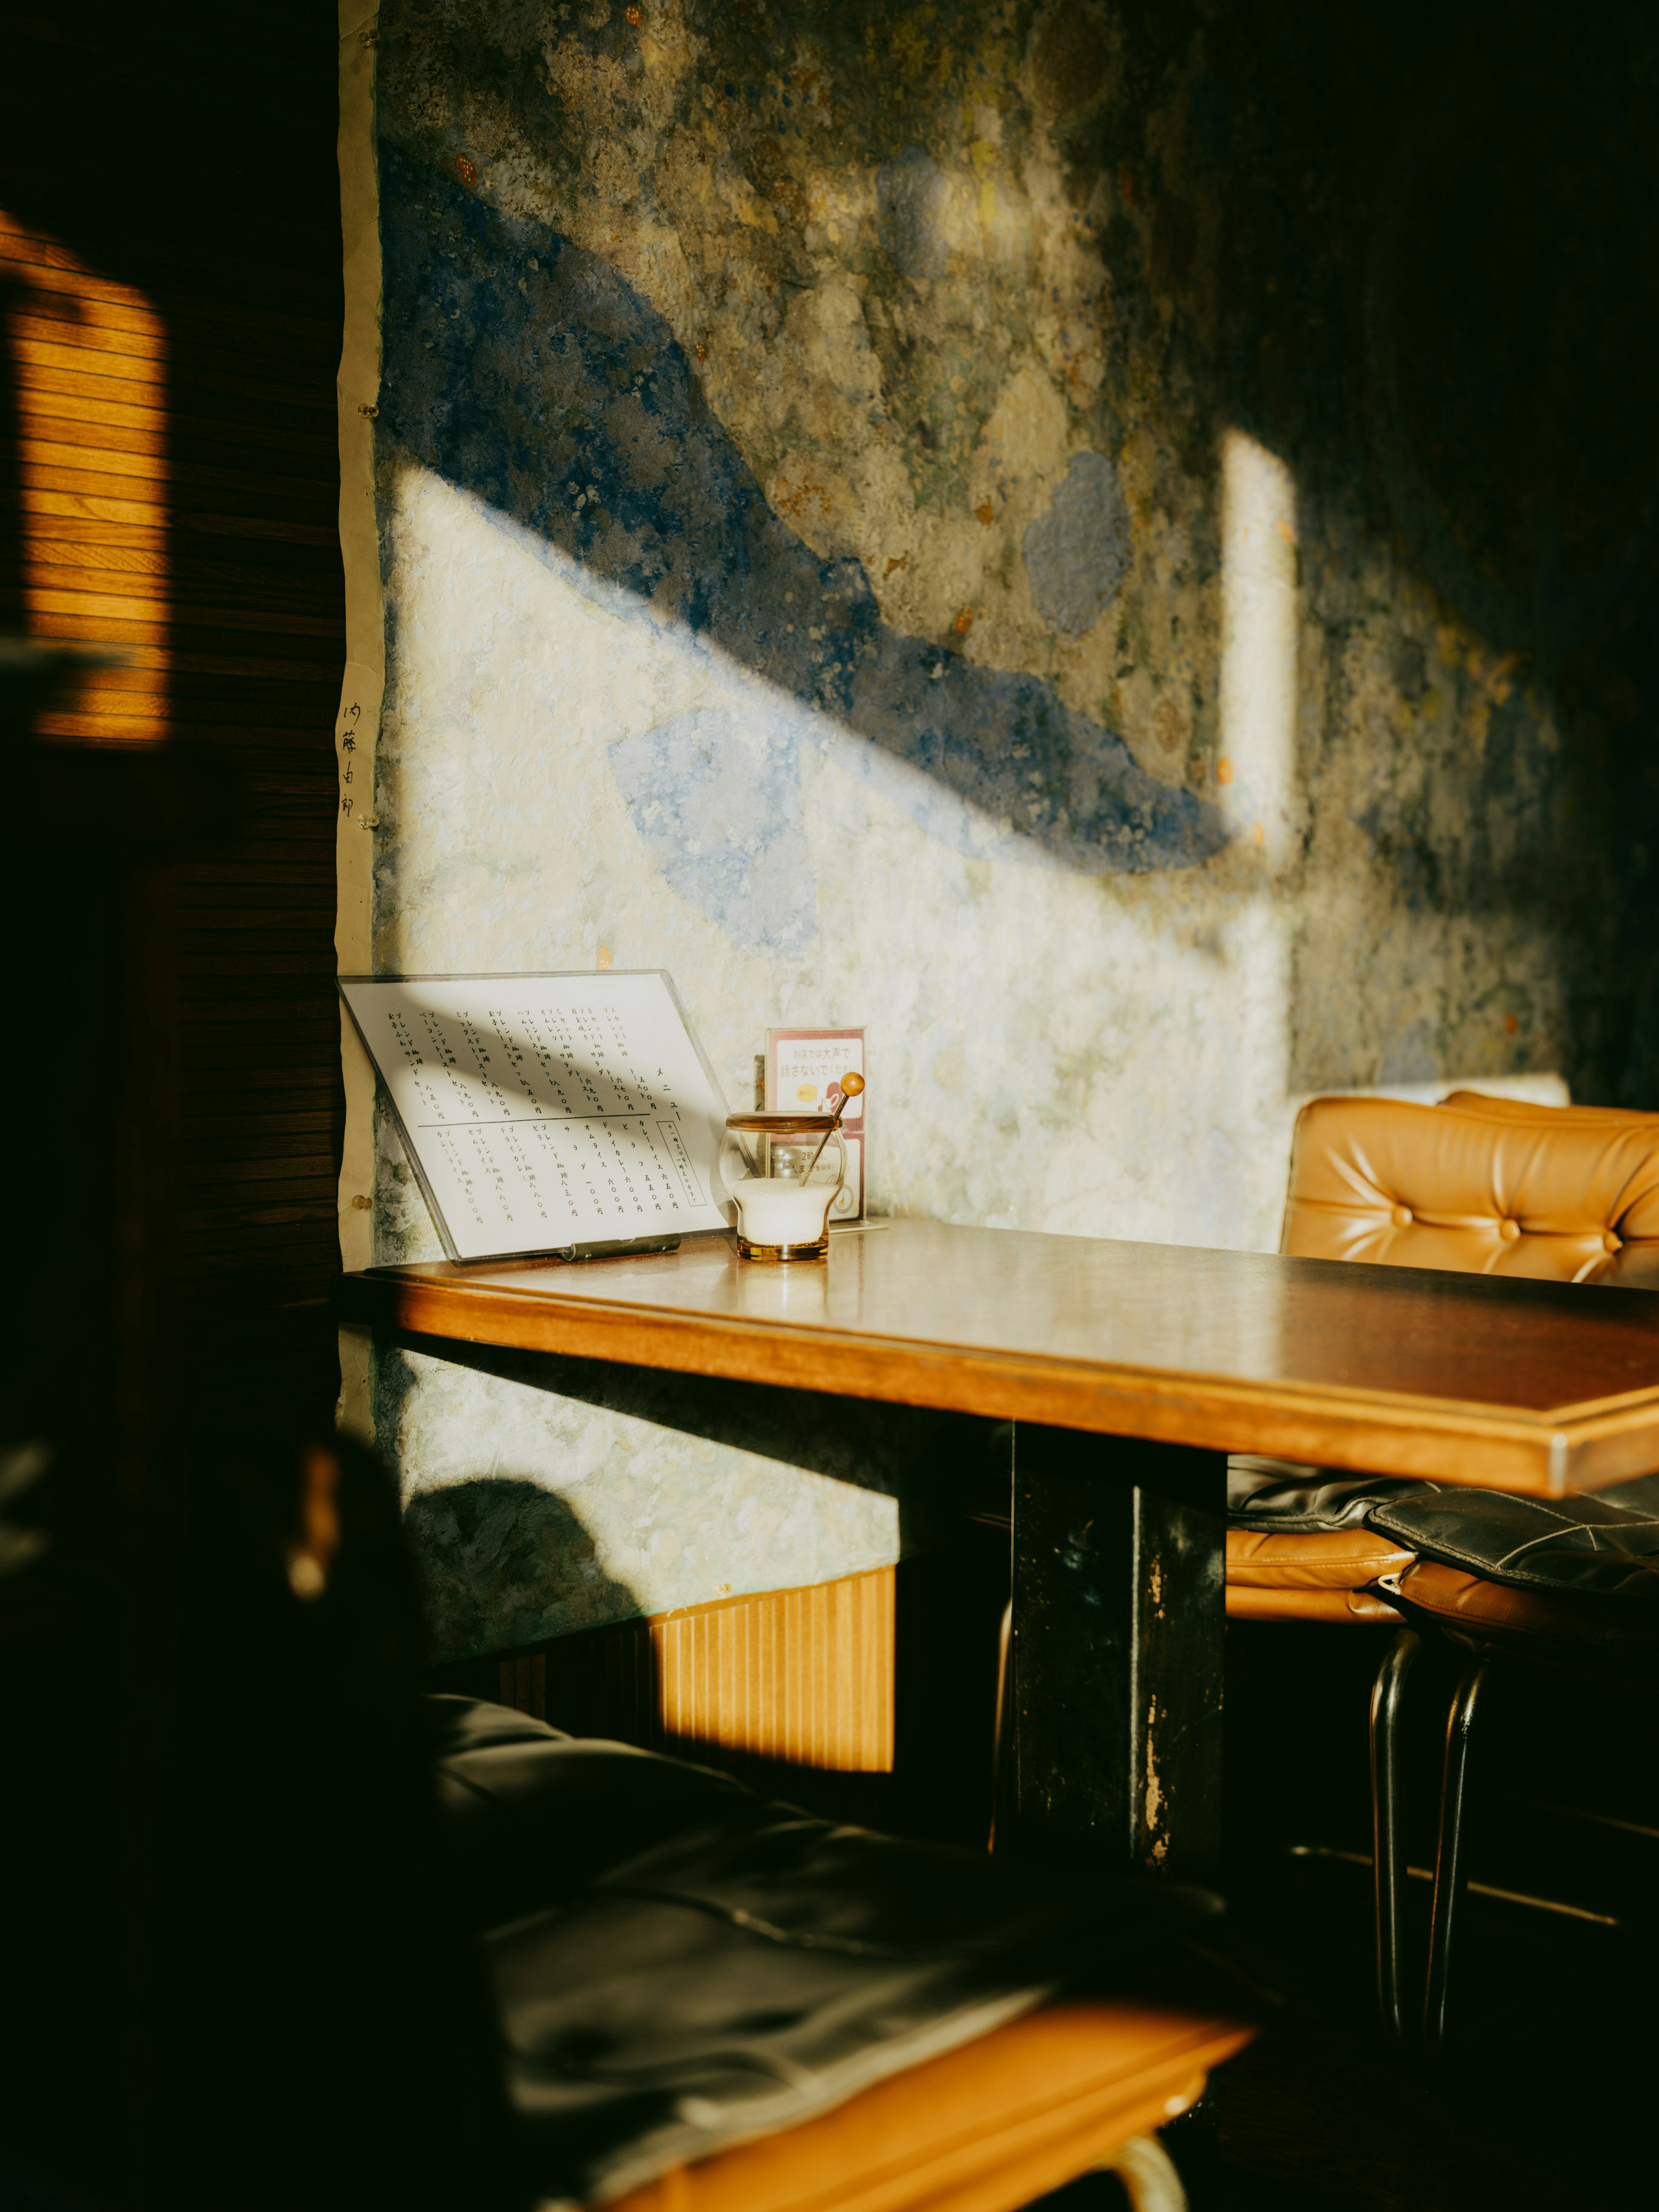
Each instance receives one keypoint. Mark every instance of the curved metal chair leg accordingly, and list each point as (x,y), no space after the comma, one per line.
(1002,1726)
(1449,1870)
(1388,1853)
(1148,2174)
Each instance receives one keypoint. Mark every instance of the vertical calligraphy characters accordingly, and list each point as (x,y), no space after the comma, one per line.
(541,1111)
(351,718)
(352,732)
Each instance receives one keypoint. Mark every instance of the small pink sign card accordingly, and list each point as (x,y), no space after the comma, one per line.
(804,1068)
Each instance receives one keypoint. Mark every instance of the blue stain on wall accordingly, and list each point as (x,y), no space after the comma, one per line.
(716,797)
(524,370)
(1076,552)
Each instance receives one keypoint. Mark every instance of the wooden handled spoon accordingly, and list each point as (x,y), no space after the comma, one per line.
(851,1083)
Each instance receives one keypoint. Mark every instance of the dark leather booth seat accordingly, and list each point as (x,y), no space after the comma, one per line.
(1581,1577)
(1565,1585)
(710,1999)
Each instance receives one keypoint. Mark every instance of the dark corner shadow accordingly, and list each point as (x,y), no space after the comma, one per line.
(526,371)
(936,1464)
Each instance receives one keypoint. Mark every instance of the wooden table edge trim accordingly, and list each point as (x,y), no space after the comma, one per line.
(1546,1454)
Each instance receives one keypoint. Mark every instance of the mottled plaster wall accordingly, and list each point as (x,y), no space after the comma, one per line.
(937,517)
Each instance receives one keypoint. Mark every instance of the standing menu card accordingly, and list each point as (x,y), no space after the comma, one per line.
(804,1069)
(541,1112)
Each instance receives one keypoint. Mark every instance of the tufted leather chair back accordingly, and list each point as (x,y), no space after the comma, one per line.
(1479,1185)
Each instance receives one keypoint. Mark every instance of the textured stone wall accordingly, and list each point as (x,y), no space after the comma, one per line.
(961,518)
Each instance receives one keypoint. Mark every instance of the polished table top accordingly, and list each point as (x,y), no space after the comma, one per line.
(1533,1387)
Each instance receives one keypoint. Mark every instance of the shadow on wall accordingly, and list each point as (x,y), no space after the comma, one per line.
(1442,311)
(524,370)
(496,1554)
(502,1555)
(475,1540)
(1413,256)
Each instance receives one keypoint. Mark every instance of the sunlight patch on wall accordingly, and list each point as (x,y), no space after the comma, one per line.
(563,766)
(1257,770)
(1259,616)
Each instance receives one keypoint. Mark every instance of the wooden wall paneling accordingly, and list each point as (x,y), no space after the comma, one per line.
(169,327)
(173,493)
(802,1677)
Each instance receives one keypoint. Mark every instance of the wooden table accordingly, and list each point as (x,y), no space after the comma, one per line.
(1130,1370)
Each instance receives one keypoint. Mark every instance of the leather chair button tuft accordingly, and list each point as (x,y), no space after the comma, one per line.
(1610,1242)
(1508,1230)
(1402,1216)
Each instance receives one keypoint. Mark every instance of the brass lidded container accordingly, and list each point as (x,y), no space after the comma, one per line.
(783,1199)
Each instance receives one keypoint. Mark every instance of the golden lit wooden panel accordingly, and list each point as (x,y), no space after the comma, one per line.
(804,1676)
(171,452)
(105,607)
(142,655)
(73,408)
(114,547)
(132,353)
(44,491)
(66,454)
(71,463)
(70,394)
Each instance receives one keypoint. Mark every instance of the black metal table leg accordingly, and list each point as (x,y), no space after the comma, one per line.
(1119,1616)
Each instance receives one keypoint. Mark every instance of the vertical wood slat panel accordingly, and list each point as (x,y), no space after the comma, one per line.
(155,500)
(805,1676)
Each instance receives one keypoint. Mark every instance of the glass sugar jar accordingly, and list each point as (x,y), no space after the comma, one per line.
(782,1208)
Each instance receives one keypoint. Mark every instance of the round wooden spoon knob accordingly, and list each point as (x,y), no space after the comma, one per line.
(851,1083)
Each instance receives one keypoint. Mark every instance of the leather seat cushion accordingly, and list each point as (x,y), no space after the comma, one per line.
(1474,1606)
(1343,1608)
(680,1963)
(986,2128)
(1298,1543)
(1290,1498)
(1640,1495)
(1342,1559)
(1583,1547)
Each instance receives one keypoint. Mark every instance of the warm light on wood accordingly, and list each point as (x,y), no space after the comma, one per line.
(1538,1388)
(89,379)
(802,1675)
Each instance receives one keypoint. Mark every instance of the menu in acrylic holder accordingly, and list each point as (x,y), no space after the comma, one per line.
(555,1113)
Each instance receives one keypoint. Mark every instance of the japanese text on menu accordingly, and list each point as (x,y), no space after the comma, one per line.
(582,1116)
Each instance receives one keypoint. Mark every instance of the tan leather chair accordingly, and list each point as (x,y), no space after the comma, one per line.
(1476,1185)
(1479,1186)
